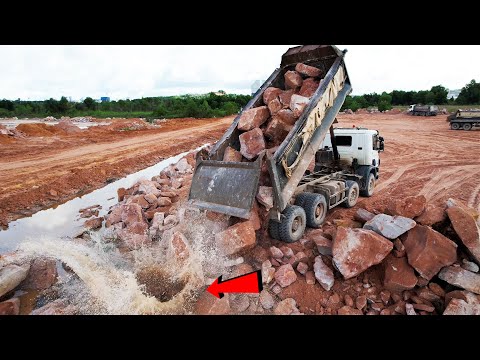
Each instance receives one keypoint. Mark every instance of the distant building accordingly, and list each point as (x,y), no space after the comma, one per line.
(220,93)
(256,85)
(105,99)
(454,94)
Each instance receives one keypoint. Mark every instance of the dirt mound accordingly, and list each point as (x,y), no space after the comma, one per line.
(68,127)
(38,129)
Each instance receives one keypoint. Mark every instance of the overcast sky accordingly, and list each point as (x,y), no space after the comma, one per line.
(40,72)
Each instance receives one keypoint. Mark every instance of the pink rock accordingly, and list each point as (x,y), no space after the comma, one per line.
(266,300)
(147,187)
(253,118)
(461,278)
(309,87)
(183,166)
(467,230)
(432,215)
(298,104)
(164,201)
(347,310)
(302,268)
(170,220)
(268,272)
(277,130)
(287,252)
(271,93)
(276,252)
(323,274)
(265,196)
(285,275)
(285,98)
(42,275)
(361,302)
(210,305)
(178,248)
(255,217)
(177,183)
(428,251)
(140,200)
(287,116)
(150,198)
(168,194)
(158,220)
(237,238)
(286,307)
(462,307)
(275,106)
(252,143)
(308,70)
(363,215)
(131,213)
(409,207)
(232,155)
(293,80)
(10,307)
(324,245)
(93,224)
(410,309)
(355,250)
(399,275)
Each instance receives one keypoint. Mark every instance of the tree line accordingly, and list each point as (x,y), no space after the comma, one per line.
(202,106)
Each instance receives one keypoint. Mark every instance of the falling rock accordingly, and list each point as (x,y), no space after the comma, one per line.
(432,215)
(409,207)
(355,250)
(11,276)
(462,278)
(287,116)
(285,275)
(469,210)
(388,226)
(298,104)
(309,87)
(293,80)
(323,274)
(253,118)
(275,106)
(285,98)
(286,307)
(277,130)
(271,93)
(399,275)
(467,229)
(237,238)
(178,248)
(232,155)
(428,251)
(10,307)
(265,196)
(266,300)
(252,143)
(363,215)
(308,70)
(347,310)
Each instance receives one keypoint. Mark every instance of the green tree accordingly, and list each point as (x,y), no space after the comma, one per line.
(90,104)
(470,94)
(440,94)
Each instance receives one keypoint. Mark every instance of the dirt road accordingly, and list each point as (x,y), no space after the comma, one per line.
(40,172)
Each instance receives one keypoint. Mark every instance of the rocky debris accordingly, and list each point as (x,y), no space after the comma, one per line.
(470,266)
(388,226)
(324,245)
(355,250)
(252,143)
(287,252)
(42,275)
(348,300)
(293,80)
(310,278)
(399,249)
(348,223)
(308,70)
(265,196)
(210,305)
(270,94)
(363,215)
(148,187)
(461,307)
(309,87)
(57,307)
(121,192)
(428,251)
(183,166)
(68,126)
(410,310)
(253,118)
(268,272)
(277,129)
(232,155)
(462,278)
(10,307)
(298,104)
(287,117)
(150,199)
(287,307)
(170,221)
(467,229)
(436,289)
(302,268)
(399,275)
(266,300)
(361,302)
(93,224)
(178,249)
(239,302)
(87,213)
(432,215)
(255,217)
(285,98)
(323,274)
(409,207)
(347,310)
(285,275)
(164,201)
(11,276)
(237,238)
(275,106)
(423,307)
(276,252)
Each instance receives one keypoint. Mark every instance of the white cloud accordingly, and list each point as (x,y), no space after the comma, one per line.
(132,71)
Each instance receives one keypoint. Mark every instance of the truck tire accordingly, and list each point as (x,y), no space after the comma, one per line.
(467,127)
(352,194)
(370,186)
(273,229)
(300,199)
(293,224)
(315,206)
(455,126)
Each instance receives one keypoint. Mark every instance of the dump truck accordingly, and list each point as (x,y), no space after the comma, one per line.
(345,165)
(423,110)
(464,119)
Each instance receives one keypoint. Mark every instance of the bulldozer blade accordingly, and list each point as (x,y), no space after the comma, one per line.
(225,187)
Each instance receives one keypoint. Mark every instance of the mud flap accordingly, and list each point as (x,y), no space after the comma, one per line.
(225,187)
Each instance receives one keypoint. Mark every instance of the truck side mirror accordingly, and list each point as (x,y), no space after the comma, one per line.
(382,144)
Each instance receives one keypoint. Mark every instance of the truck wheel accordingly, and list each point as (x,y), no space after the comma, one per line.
(293,224)
(300,199)
(467,126)
(455,126)
(368,192)
(315,206)
(273,229)
(352,194)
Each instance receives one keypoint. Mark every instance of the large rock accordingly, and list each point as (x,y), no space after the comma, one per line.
(462,278)
(293,80)
(277,130)
(355,250)
(10,307)
(210,305)
(42,275)
(409,207)
(324,245)
(253,118)
(252,143)
(452,203)
(93,224)
(237,238)
(285,275)
(388,226)
(11,276)
(275,106)
(271,93)
(309,87)
(298,104)
(363,215)
(467,230)
(285,98)
(287,116)
(428,251)
(461,307)
(57,307)
(432,215)
(130,214)
(265,196)
(323,274)
(148,187)
(399,275)
(308,70)
(232,155)
(287,307)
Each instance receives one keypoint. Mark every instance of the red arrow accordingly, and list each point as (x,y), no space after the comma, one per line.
(249,283)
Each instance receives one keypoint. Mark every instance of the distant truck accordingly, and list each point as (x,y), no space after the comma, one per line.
(423,110)
(464,119)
